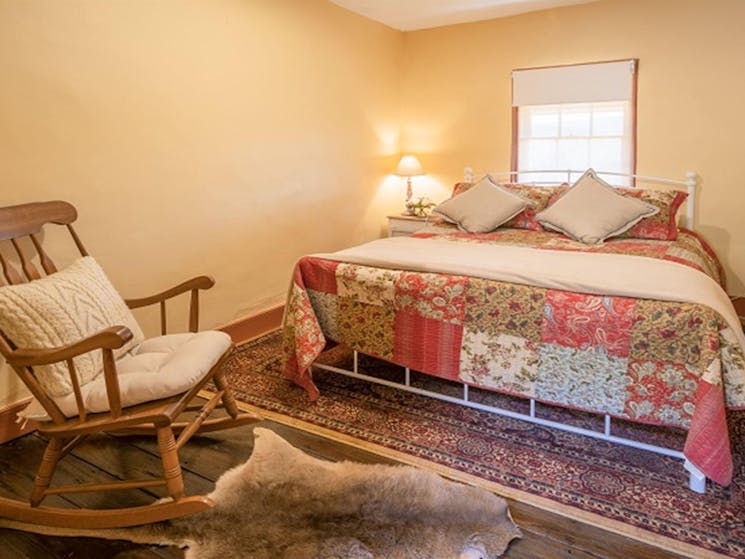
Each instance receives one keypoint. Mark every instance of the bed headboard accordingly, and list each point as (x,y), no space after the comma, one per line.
(570,175)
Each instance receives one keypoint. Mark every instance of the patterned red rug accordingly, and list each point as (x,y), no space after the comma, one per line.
(635,492)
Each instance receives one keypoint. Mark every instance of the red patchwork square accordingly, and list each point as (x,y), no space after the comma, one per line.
(660,392)
(427,345)
(318,274)
(436,296)
(581,321)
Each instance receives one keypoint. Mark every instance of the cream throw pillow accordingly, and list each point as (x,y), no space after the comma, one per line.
(63,308)
(592,211)
(483,207)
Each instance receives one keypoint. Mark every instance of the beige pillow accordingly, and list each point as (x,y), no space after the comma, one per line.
(63,308)
(483,207)
(592,211)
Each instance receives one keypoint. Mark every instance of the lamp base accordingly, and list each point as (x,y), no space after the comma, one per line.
(409,194)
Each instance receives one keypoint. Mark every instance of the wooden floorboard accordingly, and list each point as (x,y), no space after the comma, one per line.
(204,459)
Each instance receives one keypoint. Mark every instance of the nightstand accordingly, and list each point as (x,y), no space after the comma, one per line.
(739,304)
(402,225)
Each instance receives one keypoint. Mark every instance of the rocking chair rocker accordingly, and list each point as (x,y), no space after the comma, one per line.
(102,378)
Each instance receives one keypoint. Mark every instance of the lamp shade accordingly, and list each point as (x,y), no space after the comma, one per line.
(409,166)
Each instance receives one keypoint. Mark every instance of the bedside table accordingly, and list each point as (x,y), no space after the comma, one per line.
(402,225)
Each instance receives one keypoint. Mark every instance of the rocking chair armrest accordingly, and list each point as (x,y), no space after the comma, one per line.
(193,285)
(110,338)
(199,282)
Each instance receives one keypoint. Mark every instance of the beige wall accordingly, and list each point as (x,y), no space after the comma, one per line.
(691,96)
(232,136)
(226,137)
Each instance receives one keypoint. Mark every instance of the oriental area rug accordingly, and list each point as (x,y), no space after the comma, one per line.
(628,491)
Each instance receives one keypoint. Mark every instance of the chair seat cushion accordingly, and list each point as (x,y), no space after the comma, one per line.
(157,368)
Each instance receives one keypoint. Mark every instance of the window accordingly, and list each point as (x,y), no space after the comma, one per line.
(574,136)
(574,117)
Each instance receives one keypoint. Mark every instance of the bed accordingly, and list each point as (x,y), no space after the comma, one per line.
(639,329)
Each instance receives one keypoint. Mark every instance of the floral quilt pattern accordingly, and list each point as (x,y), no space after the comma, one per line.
(688,248)
(656,362)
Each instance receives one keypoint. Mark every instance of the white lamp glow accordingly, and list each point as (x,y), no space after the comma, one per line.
(408,167)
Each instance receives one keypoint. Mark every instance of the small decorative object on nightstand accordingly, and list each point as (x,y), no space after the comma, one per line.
(402,225)
(419,207)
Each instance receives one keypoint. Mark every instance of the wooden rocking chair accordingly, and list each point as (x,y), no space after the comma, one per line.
(113,401)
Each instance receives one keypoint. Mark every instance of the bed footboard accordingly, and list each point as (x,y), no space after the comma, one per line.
(697,480)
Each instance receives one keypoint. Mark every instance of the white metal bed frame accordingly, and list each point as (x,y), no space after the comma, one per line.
(697,480)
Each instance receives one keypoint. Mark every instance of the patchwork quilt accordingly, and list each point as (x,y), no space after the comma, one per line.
(653,361)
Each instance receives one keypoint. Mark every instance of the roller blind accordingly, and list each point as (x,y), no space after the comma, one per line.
(581,83)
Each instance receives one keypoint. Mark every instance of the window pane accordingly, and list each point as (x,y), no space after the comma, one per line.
(540,179)
(576,136)
(606,154)
(543,125)
(574,154)
(539,154)
(575,122)
(608,122)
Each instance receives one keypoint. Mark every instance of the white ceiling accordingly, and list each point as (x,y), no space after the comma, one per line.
(408,15)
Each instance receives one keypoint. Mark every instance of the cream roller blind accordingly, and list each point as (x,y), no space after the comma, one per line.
(580,83)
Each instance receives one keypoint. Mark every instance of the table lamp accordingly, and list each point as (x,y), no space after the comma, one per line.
(408,167)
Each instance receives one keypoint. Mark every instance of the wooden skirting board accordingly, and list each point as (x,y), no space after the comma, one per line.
(240,330)
(255,325)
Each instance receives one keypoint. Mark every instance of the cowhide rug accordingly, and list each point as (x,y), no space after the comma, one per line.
(283,503)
